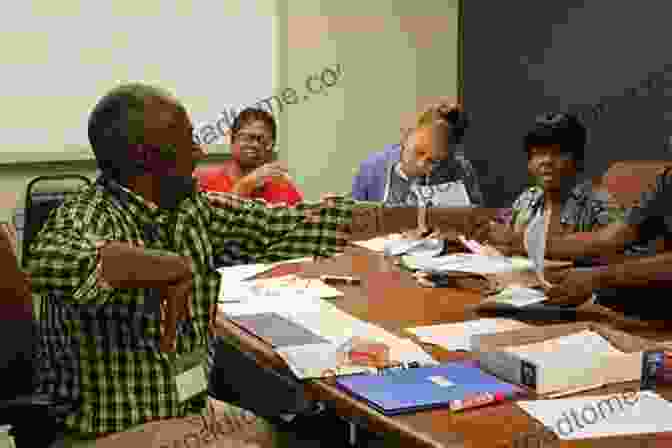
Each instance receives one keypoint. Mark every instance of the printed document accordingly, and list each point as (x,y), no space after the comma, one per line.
(620,414)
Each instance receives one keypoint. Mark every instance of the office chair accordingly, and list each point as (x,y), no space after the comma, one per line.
(39,205)
(36,419)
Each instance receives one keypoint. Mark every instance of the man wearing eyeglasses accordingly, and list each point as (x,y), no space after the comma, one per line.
(251,172)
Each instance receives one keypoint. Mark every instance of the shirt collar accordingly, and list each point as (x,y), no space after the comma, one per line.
(146,202)
(400,172)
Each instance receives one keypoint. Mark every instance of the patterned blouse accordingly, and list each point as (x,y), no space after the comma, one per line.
(583,210)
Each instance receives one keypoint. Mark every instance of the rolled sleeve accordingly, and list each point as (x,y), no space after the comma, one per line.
(277,233)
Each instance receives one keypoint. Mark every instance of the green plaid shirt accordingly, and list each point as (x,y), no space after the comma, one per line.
(101,345)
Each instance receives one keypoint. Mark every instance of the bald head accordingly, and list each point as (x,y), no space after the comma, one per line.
(130,114)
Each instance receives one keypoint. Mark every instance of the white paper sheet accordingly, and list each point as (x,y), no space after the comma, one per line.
(457,336)
(449,194)
(294,284)
(242,272)
(583,343)
(313,360)
(377,244)
(421,247)
(602,416)
(266,304)
(472,263)
(518,296)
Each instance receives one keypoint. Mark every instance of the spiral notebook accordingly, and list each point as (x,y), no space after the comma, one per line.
(421,388)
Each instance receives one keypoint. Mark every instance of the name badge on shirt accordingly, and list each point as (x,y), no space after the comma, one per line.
(190,377)
(191,383)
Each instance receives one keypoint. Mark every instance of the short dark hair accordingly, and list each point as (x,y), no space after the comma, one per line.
(117,122)
(453,116)
(251,114)
(558,129)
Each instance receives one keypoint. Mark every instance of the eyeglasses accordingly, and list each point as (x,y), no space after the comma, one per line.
(263,140)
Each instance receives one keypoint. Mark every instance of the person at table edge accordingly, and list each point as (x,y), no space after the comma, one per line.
(637,286)
(251,171)
(589,225)
(110,259)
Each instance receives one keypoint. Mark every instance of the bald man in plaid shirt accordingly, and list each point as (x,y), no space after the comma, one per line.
(113,261)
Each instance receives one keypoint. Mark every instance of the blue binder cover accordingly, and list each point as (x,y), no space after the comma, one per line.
(416,389)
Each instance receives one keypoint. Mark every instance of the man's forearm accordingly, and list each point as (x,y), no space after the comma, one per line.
(639,272)
(125,266)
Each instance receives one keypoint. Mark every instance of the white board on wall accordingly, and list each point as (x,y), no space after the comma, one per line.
(59,57)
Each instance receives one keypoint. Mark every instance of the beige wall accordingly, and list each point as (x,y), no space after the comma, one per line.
(395,55)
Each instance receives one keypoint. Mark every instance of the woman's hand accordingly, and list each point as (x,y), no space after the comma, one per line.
(572,287)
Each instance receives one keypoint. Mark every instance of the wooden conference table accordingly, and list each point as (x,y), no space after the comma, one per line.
(390,298)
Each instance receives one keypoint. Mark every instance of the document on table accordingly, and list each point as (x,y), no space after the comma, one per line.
(317,361)
(321,360)
(518,296)
(287,285)
(338,327)
(242,272)
(277,330)
(299,285)
(377,244)
(246,271)
(266,304)
(457,336)
(426,247)
(629,413)
(472,263)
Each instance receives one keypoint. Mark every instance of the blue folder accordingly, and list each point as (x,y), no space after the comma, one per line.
(421,388)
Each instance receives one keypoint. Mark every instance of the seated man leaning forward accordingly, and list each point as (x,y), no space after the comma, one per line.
(126,266)
(416,171)
(251,172)
(555,154)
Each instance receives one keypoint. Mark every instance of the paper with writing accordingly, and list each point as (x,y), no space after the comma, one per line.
(623,414)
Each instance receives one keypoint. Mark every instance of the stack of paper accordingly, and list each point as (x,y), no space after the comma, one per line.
(457,336)
(623,414)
